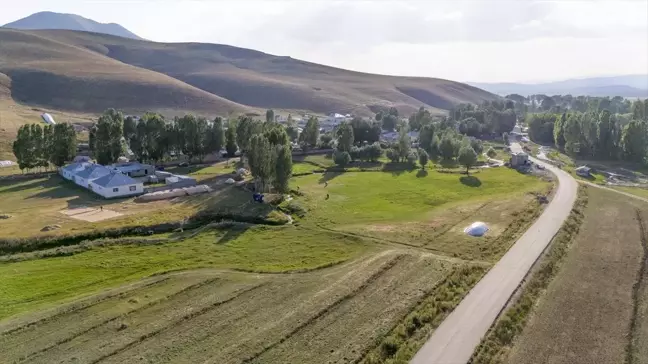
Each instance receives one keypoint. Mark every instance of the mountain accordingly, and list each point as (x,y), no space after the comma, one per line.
(626,86)
(50,20)
(89,72)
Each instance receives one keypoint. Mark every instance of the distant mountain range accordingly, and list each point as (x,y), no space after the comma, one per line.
(626,86)
(51,20)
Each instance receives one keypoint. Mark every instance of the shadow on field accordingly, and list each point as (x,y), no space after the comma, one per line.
(421,173)
(26,186)
(327,176)
(397,168)
(470,181)
(232,233)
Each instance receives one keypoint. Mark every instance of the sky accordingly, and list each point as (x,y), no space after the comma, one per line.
(478,40)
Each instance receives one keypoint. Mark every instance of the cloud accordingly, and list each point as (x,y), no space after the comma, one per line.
(366,24)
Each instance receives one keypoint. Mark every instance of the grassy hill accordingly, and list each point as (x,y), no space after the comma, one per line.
(51,20)
(90,71)
(77,74)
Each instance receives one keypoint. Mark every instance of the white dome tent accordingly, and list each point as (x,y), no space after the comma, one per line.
(477,228)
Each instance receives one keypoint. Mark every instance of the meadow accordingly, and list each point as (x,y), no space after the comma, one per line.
(332,278)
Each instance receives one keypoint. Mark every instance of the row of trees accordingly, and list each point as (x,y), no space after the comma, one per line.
(561,103)
(597,135)
(494,117)
(39,146)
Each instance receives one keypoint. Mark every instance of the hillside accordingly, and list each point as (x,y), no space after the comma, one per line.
(626,86)
(51,20)
(89,72)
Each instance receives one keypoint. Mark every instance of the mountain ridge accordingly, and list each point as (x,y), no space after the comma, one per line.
(622,85)
(52,20)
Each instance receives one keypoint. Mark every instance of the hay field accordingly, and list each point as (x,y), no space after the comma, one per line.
(225,317)
(587,312)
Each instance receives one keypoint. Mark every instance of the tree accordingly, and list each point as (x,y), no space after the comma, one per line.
(107,143)
(49,143)
(470,126)
(447,147)
(24,149)
(230,139)
(426,136)
(39,150)
(477,145)
(270,116)
(419,119)
(341,158)
(261,159)
(571,133)
(277,135)
(309,136)
(467,157)
(283,168)
(215,136)
(404,142)
(423,158)
(491,153)
(154,129)
(63,145)
(541,127)
(633,141)
(345,137)
(373,135)
(326,141)
(389,120)
(638,109)
(130,128)
(605,129)
(558,132)
(505,138)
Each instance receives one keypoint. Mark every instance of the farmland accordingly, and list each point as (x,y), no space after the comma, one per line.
(347,278)
(594,310)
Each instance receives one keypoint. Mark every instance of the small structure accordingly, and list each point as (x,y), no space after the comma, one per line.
(519,159)
(115,185)
(176,181)
(48,119)
(134,169)
(6,163)
(584,171)
(477,228)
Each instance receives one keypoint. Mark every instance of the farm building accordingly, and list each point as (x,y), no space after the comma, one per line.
(90,173)
(134,169)
(115,185)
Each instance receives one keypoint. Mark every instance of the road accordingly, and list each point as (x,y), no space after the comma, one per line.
(454,341)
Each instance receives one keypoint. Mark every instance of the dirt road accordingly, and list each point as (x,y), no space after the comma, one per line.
(456,338)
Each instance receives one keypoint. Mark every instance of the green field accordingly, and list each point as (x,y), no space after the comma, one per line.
(391,241)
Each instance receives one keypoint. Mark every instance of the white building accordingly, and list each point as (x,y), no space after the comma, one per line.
(48,119)
(90,173)
(134,169)
(115,185)
(68,172)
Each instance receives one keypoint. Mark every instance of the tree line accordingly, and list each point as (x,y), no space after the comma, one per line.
(39,146)
(595,134)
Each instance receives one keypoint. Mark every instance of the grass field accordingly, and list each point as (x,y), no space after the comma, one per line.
(34,204)
(332,281)
(587,312)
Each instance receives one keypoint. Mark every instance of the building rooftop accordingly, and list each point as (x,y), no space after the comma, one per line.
(93,171)
(129,167)
(114,180)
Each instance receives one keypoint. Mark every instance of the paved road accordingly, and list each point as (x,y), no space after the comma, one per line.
(454,341)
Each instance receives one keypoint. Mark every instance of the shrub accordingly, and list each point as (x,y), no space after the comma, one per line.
(295,208)
(412,157)
(341,158)
(392,155)
(491,153)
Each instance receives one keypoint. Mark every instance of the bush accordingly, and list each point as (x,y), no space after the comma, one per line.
(342,158)
(356,153)
(392,155)
(491,153)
